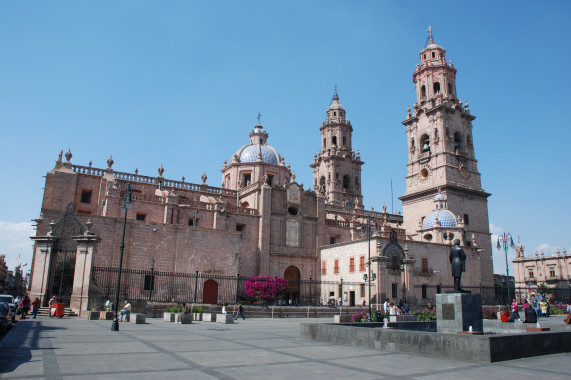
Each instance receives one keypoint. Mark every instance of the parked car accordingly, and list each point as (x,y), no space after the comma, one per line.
(6,318)
(9,299)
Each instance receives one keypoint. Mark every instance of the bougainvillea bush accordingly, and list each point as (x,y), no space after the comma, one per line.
(363,316)
(489,314)
(425,314)
(263,288)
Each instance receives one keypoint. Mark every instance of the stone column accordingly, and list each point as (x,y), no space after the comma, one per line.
(82,277)
(408,281)
(41,266)
(382,277)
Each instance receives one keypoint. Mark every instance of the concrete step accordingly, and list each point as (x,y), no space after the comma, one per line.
(45,311)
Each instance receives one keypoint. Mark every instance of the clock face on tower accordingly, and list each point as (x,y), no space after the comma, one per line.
(463,171)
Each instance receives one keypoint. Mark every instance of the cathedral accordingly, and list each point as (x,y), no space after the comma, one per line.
(260,221)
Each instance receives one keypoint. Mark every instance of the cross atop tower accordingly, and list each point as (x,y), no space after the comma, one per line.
(429,30)
(259,117)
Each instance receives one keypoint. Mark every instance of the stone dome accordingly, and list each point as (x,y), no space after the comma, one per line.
(445,219)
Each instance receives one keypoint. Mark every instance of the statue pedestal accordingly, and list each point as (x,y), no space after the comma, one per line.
(458,311)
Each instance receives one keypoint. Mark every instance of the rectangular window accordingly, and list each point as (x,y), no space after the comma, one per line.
(362,290)
(141,217)
(339,291)
(352,264)
(395,289)
(424,265)
(423,292)
(86,196)
(362,264)
(438,289)
(323,267)
(240,227)
(530,272)
(336,267)
(552,272)
(466,219)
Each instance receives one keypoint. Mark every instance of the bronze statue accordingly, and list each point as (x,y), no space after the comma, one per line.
(458,261)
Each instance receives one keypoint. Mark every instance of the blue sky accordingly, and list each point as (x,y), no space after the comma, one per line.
(180,83)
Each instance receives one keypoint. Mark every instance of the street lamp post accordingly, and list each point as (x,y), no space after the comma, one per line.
(152,278)
(275,290)
(127,203)
(503,241)
(310,294)
(368,276)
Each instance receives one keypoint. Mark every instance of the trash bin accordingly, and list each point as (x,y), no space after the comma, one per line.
(57,310)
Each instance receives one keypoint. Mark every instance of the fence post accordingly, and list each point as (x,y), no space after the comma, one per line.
(195,286)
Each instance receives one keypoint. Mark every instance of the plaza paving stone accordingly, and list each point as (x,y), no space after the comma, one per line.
(73,348)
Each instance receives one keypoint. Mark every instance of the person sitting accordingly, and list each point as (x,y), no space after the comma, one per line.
(505,315)
(224,311)
(530,315)
(126,311)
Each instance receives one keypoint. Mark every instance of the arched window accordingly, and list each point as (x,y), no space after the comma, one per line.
(425,143)
(457,141)
(324,142)
(423,91)
(322,182)
(436,87)
(334,140)
(344,141)
(346,182)
(412,143)
(468,140)
(450,90)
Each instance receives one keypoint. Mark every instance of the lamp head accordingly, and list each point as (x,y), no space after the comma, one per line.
(499,246)
(128,199)
(362,232)
(153,263)
(365,277)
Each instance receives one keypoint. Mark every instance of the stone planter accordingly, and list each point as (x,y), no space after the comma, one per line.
(197,316)
(106,315)
(209,317)
(93,315)
(186,319)
(169,317)
(224,318)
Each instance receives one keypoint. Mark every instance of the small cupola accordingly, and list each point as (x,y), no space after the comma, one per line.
(335,112)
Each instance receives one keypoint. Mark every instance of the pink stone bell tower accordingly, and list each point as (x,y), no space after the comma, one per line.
(337,168)
(441,156)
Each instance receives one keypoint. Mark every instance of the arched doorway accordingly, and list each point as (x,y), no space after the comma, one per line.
(292,276)
(62,265)
(210,293)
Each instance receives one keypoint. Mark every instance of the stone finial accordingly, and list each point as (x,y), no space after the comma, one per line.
(358,155)
(183,178)
(466,107)
(417,67)
(293,176)
(59,157)
(136,171)
(110,163)
(88,225)
(68,156)
(451,64)
(225,163)
(536,252)
(161,170)
(408,114)
(384,208)
(542,254)
(204,178)
(557,252)
(51,231)
(90,163)
(564,251)
(288,166)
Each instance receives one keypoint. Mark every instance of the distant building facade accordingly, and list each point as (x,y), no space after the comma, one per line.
(531,271)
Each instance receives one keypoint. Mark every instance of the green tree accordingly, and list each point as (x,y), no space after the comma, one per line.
(544,290)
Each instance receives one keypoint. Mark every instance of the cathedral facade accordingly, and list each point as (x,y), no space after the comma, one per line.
(260,221)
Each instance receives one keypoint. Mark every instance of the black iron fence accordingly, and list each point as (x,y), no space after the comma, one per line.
(158,286)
